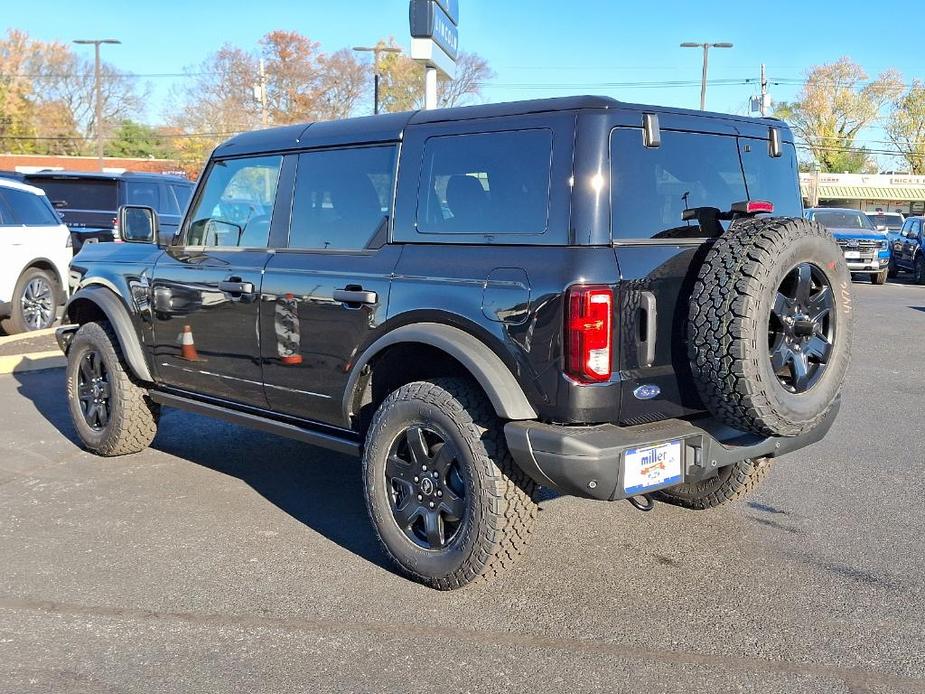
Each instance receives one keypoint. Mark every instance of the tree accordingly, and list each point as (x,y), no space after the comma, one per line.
(402,85)
(133,139)
(906,127)
(836,103)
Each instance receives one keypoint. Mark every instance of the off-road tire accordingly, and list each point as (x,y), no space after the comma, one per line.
(133,415)
(16,323)
(892,271)
(731,483)
(728,329)
(878,277)
(500,508)
(919,272)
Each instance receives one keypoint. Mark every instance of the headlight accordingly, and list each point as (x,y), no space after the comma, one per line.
(884,245)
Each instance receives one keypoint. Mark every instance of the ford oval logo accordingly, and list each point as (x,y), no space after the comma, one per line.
(647,392)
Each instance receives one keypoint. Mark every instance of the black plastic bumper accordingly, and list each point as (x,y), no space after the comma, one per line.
(589,461)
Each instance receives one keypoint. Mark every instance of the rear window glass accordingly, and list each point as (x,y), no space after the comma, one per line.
(142,193)
(775,179)
(487,183)
(28,208)
(652,187)
(893,222)
(79,194)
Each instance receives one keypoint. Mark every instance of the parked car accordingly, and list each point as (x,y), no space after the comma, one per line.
(866,250)
(909,249)
(890,222)
(576,293)
(88,201)
(35,248)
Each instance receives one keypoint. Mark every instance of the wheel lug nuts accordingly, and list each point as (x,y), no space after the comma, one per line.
(424,468)
(436,474)
(416,479)
(439,492)
(431,504)
(420,498)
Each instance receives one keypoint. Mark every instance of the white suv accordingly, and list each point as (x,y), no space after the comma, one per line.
(35,249)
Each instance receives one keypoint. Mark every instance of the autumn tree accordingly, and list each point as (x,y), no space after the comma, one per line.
(133,139)
(906,127)
(835,104)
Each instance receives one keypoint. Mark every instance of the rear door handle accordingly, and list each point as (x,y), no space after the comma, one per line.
(648,316)
(236,286)
(355,296)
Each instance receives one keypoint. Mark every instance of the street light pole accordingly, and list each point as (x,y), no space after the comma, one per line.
(706,61)
(98,106)
(376,50)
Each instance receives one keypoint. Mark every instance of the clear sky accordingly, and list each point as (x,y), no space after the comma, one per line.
(536,48)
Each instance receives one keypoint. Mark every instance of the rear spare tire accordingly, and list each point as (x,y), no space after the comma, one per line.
(770,326)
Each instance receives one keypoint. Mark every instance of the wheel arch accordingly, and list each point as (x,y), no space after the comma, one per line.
(95,302)
(46,265)
(430,349)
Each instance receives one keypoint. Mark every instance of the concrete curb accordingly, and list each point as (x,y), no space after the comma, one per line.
(7,339)
(36,361)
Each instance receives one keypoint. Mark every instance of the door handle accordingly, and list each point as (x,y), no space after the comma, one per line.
(236,286)
(648,317)
(355,296)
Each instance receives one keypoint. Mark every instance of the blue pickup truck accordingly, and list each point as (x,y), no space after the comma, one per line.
(909,249)
(867,251)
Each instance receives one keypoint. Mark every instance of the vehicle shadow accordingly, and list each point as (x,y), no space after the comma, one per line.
(318,488)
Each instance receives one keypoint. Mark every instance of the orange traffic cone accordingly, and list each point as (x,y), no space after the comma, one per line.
(187,346)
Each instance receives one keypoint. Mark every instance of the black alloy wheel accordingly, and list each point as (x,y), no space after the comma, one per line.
(426,490)
(801,329)
(94,390)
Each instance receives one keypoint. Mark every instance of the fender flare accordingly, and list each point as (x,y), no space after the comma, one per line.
(492,374)
(110,304)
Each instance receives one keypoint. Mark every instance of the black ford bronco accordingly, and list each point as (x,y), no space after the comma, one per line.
(607,300)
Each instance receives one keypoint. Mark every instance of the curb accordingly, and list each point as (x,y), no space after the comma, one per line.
(36,361)
(7,339)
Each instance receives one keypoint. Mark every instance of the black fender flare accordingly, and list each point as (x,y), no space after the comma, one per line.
(117,315)
(492,374)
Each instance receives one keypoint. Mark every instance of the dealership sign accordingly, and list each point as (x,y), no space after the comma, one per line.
(435,33)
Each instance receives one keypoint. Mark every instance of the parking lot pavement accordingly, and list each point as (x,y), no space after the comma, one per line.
(229,560)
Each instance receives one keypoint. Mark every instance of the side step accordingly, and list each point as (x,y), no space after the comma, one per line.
(340,444)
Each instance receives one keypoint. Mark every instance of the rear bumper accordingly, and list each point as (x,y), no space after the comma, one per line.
(589,461)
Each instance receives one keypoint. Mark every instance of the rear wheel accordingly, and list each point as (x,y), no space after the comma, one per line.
(730,484)
(447,501)
(878,277)
(35,303)
(919,272)
(111,412)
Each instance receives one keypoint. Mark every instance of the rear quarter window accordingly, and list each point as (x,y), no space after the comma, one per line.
(775,179)
(79,194)
(486,183)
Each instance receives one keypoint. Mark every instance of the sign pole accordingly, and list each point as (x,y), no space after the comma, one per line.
(430,88)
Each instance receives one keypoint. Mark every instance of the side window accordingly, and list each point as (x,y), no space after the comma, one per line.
(141,193)
(28,209)
(486,183)
(235,205)
(169,203)
(775,179)
(6,212)
(652,187)
(343,197)
(182,193)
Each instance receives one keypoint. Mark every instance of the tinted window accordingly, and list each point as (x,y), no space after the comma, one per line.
(138,193)
(169,203)
(489,183)
(775,179)
(890,221)
(842,219)
(79,193)
(6,213)
(342,197)
(236,204)
(183,194)
(652,187)
(29,209)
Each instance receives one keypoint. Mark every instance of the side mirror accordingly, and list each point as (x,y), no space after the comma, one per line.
(138,224)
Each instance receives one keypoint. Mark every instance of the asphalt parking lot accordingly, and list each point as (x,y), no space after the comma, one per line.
(228,560)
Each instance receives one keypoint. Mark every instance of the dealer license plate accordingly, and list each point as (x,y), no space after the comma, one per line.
(852,255)
(652,466)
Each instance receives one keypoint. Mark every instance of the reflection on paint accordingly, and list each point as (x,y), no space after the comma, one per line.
(286,323)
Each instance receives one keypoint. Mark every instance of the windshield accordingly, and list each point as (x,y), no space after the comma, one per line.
(843,219)
(893,222)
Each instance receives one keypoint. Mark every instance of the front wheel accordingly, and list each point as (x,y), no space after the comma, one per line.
(447,501)
(878,277)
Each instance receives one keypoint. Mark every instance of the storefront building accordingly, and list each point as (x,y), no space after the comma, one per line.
(867,192)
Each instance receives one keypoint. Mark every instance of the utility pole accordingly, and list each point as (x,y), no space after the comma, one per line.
(764,92)
(98,106)
(376,50)
(262,88)
(706,61)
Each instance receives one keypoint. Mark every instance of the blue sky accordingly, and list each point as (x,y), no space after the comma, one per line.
(536,48)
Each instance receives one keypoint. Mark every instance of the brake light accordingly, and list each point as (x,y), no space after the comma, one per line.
(589,333)
(116,234)
(753,207)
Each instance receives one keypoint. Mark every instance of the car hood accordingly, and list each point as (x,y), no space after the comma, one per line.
(847,234)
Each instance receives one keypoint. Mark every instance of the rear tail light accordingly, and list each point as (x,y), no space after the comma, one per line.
(589,333)
(116,234)
(750,207)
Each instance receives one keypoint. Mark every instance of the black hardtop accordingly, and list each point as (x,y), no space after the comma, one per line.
(390,127)
(109,176)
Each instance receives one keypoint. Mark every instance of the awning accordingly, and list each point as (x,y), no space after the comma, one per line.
(870,193)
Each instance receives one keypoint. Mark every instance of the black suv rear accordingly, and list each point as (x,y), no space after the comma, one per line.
(576,293)
(87,202)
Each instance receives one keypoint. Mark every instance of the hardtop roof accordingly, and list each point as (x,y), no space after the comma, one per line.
(390,127)
(108,176)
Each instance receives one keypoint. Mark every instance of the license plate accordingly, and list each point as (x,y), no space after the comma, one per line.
(852,255)
(652,466)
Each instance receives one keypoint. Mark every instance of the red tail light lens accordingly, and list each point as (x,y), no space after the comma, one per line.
(589,333)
